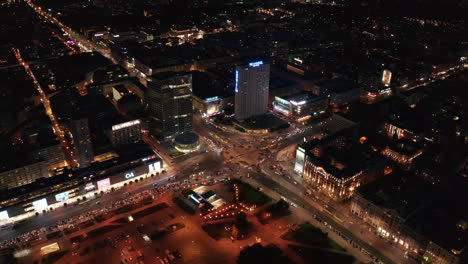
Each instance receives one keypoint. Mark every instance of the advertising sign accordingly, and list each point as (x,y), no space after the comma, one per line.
(300,160)
(62,196)
(103,183)
(386,77)
(89,186)
(4,216)
(40,205)
(154,166)
(129,174)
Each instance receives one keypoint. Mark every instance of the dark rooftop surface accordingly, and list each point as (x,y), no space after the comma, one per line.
(405,147)
(206,85)
(345,161)
(337,85)
(186,138)
(167,75)
(303,96)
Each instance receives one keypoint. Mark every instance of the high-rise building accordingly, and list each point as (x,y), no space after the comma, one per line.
(125,133)
(251,87)
(83,147)
(169,104)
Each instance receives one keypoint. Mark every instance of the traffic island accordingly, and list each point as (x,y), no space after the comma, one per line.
(273,211)
(250,195)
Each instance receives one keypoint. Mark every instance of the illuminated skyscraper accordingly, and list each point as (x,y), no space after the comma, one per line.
(169,101)
(251,87)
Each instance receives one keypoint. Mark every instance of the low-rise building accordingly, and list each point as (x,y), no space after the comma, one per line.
(403,152)
(337,165)
(301,106)
(212,92)
(22,174)
(341,91)
(407,211)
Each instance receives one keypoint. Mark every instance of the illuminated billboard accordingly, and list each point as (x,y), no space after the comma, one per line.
(50,248)
(300,158)
(256,64)
(282,106)
(40,205)
(62,196)
(126,124)
(211,99)
(154,166)
(129,174)
(103,183)
(89,187)
(236,89)
(4,216)
(386,77)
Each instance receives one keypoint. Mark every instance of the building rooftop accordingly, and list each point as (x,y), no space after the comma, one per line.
(344,161)
(341,154)
(405,147)
(337,85)
(208,85)
(166,75)
(424,208)
(186,138)
(303,97)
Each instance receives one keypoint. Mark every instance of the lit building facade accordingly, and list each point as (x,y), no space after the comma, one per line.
(337,166)
(126,133)
(83,147)
(209,107)
(55,195)
(53,155)
(387,223)
(403,155)
(386,77)
(23,175)
(251,89)
(392,130)
(169,104)
(337,187)
(300,106)
(405,145)
(397,218)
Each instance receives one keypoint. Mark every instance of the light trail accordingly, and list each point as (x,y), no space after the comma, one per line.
(46,103)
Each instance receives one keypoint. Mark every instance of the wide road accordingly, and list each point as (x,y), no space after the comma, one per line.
(62,213)
(298,199)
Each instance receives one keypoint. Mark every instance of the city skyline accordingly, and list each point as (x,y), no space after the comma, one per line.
(238,132)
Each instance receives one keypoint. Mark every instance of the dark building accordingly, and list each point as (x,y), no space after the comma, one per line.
(125,133)
(418,217)
(82,142)
(169,104)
